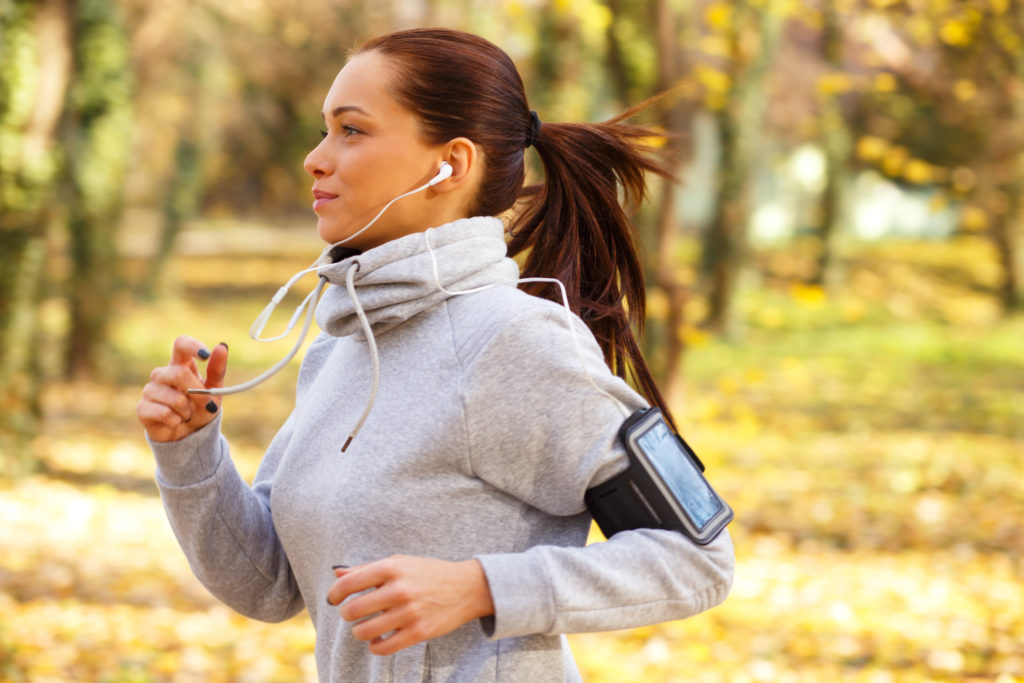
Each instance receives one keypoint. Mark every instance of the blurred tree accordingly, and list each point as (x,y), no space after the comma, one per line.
(34,70)
(675,116)
(662,25)
(949,113)
(641,35)
(97,134)
(836,140)
(747,32)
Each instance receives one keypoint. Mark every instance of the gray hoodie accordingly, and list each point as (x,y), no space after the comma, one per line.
(483,438)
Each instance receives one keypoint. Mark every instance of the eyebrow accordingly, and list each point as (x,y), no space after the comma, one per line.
(338,111)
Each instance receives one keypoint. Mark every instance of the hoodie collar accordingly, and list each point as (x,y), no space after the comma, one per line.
(396,280)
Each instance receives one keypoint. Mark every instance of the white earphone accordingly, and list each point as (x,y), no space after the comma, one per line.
(309,303)
(443,173)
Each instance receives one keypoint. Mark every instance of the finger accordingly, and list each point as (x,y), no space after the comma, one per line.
(399,640)
(217,367)
(152,415)
(178,376)
(169,396)
(186,349)
(340,589)
(380,625)
(361,578)
(370,603)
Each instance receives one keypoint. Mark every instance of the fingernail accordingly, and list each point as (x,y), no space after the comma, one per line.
(224,344)
(211,407)
(203,354)
(329,601)
(340,566)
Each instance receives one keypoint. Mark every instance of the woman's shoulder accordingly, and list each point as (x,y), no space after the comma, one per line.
(510,317)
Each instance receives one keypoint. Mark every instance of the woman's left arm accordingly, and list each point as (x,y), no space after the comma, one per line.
(545,434)
(540,431)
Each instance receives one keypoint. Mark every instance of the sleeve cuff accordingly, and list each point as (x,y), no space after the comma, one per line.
(521,591)
(190,460)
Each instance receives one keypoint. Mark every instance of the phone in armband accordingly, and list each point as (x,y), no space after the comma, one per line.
(663,487)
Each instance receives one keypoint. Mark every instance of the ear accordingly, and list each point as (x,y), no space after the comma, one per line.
(465,159)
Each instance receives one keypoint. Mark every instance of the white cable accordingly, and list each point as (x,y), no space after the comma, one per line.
(238,388)
(322,262)
(309,304)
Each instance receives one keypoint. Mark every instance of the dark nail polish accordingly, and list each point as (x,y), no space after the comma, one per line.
(203,354)
(224,344)
(211,407)
(329,601)
(340,566)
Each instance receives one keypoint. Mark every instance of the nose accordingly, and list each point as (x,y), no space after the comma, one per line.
(316,163)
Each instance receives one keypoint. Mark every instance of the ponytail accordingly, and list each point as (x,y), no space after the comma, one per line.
(575,228)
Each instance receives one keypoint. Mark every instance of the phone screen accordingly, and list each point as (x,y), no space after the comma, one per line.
(678,471)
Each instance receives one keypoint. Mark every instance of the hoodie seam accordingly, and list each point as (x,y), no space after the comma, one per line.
(463,412)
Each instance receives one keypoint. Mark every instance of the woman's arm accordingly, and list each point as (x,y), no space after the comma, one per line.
(223,525)
(542,432)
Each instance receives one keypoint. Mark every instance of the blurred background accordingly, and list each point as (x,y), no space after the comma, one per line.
(835,296)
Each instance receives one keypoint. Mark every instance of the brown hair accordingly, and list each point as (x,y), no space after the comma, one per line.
(573,226)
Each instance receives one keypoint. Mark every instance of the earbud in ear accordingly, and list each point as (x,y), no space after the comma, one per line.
(443,173)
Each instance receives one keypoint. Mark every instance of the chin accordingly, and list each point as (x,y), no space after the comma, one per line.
(329,231)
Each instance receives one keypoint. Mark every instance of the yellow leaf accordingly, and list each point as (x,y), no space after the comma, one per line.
(834,83)
(917,171)
(965,90)
(713,80)
(870,148)
(955,32)
(719,15)
(973,218)
(894,160)
(885,82)
(812,296)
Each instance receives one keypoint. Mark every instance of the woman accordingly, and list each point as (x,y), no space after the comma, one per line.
(445,540)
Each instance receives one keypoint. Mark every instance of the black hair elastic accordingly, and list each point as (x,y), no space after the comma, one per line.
(534,133)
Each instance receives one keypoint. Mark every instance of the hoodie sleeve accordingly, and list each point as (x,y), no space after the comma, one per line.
(224,526)
(541,431)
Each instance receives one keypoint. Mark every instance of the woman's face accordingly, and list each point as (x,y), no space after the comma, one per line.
(372,152)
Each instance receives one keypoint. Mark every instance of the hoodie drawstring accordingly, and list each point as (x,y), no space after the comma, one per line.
(368,330)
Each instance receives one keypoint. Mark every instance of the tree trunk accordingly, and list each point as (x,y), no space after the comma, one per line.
(180,204)
(1005,234)
(98,136)
(1008,229)
(34,71)
(837,143)
(720,256)
(675,118)
(739,127)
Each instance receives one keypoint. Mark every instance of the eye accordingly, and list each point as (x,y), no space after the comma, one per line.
(350,131)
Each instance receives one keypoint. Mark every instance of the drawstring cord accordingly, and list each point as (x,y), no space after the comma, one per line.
(368,330)
(309,306)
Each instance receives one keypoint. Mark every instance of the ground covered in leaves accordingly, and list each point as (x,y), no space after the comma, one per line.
(870,442)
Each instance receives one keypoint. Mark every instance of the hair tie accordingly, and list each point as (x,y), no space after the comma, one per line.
(534,132)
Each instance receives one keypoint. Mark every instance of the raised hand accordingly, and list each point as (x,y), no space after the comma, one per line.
(167,411)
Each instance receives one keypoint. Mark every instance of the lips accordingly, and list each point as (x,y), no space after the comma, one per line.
(320,198)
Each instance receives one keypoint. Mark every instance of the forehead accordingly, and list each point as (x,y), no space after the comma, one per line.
(363,83)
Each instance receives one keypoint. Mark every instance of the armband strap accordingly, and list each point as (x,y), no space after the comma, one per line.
(618,504)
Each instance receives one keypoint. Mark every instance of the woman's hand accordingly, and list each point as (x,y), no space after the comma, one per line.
(167,411)
(411,598)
